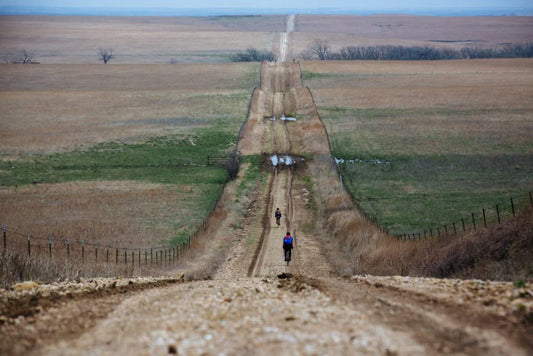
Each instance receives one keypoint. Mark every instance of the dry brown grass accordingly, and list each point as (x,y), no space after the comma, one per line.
(118,213)
(502,83)
(501,252)
(358,246)
(76,39)
(458,32)
(49,108)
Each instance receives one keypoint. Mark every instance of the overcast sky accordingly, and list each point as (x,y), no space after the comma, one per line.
(292,4)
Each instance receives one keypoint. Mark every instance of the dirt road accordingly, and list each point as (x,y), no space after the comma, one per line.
(252,305)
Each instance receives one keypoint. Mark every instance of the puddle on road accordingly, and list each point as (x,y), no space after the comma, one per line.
(285,160)
(283,118)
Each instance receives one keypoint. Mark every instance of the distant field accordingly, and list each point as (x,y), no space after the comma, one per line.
(50,108)
(136,40)
(159,40)
(409,30)
(116,153)
(437,140)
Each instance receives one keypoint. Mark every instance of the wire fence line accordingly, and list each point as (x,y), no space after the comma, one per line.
(484,218)
(80,252)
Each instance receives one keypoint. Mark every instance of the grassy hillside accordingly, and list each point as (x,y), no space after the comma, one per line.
(427,144)
(117,154)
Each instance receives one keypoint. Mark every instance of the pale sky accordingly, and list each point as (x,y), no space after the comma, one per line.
(279,4)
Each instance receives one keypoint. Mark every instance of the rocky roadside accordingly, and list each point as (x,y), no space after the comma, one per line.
(512,301)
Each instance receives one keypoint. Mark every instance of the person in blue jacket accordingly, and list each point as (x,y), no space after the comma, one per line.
(288,243)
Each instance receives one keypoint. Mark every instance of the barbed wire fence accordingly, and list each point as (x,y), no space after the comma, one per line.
(495,214)
(26,255)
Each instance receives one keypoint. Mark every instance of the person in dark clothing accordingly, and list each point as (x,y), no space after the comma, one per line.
(277,215)
(288,246)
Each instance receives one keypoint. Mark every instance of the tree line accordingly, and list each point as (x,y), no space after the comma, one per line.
(320,49)
(253,55)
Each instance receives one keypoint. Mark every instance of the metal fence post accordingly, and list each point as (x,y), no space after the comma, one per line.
(107,254)
(5,238)
(29,246)
(484,218)
(512,206)
(49,247)
(83,251)
(463,222)
(498,212)
(474,221)
(68,249)
(96,253)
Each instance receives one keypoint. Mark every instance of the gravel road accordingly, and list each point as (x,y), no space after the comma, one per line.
(254,304)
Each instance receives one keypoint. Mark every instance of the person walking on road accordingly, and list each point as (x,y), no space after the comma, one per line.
(277,215)
(288,246)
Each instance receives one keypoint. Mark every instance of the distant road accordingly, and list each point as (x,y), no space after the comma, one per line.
(284,39)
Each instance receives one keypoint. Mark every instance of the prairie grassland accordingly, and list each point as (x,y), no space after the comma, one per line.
(50,108)
(435,140)
(116,154)
(135,40)
(403,30)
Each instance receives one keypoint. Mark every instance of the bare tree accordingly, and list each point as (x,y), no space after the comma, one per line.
(321,49)
(106,54)
(24,57)
(27,57)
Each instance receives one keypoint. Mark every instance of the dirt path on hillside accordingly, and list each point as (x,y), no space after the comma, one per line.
(254,304)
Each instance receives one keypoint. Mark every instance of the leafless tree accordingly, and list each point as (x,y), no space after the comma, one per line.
(106,54)
(27,57)
(24,57)
(321,49)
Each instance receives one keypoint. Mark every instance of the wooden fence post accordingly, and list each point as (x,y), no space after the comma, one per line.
(107,254)
(68,249)
(83,251)
(133,258)
(29,246)
(530,198)
(145,257)
(474,221)
(116,255)
(96,253)
(50,247)
(498,213)
(463,222)
(5,238)
(512,206)
(484,218)
(139,257)
(151,256)
(454,229)
(125,256)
